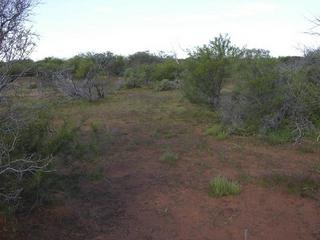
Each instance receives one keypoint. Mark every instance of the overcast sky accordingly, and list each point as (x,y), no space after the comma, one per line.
(69,27)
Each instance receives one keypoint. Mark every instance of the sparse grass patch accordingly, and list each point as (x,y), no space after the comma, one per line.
(221,186)
(306,148)
(194,114)
(96,174)
(96,126)
(278,137)
(316,168)
(165,133)
(170,158)
(218,132)
(300,185)
(245,178)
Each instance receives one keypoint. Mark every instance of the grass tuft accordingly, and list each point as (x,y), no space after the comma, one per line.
(218,132)
(170,158)
(221,186)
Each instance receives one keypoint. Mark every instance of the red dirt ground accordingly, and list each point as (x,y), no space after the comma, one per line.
(143,198)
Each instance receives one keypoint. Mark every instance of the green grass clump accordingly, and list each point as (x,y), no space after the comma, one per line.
(218,132)
(169,158)
(221,186)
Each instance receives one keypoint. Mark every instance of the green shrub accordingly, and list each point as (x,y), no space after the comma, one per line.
(277,100)
(137,77)
(24,68)
(33,143)
(23,164)
(207,69)
(169,69)
(81,66)
(221,186)
(49,65)
(166,85)
(256,95)
(143,58)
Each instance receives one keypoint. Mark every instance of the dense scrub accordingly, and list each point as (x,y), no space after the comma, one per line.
(28,146)
(253,92)
(272,97)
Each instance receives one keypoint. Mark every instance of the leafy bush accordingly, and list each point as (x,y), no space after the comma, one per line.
(80,66)
(135,77)
(28,144)
(256,95)
(169,69)
(49,64)
(207,69)
(110,63)
(143,58)
(166,85)
(24,68)
(221,186)
(275,99)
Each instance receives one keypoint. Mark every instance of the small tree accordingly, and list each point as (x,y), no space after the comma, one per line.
(16,38)
(208,68)
(19,162)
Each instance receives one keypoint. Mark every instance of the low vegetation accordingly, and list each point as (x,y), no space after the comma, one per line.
(170,158)
(221,187)
(217,131)
(303,186)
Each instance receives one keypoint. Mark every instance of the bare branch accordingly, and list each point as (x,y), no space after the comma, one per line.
(16,39)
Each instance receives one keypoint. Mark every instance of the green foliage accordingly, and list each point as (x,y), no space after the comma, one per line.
(37,141)
(49,65)
(169,69)
(26,141)
(80,66)
(166,85)
(280,136)
(207,69)
(143,58)
(24,68)
(277,100)
(135,77)
(112,64)
(218,131)
(258,84)
(221,186)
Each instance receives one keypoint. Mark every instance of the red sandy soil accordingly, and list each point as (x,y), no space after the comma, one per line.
(143,198)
